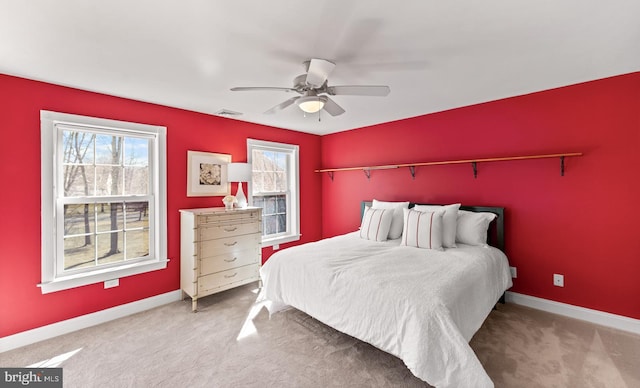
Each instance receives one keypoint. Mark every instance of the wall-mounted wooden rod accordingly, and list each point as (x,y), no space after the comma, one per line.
(473,162)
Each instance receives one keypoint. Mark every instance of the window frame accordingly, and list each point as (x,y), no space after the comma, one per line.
(293,193)
(51,126)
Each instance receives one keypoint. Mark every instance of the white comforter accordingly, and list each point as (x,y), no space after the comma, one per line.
(420,305)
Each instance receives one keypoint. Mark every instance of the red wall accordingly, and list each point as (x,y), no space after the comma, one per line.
(583,225)
(22,305)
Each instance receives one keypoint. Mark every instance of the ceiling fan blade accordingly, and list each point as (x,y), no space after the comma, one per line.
(318,72)
(362,90)
(332,108)
(261,88)
(281,105)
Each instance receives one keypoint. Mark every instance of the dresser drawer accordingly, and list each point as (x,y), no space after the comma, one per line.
(228,245)
(210,232)
(236,216)
(228,261)
(225,278)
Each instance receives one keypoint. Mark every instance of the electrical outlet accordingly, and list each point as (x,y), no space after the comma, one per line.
(558,280)
(111,283)
(514,272)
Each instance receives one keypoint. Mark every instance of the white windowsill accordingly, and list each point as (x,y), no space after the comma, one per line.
(279,240)
(67,282)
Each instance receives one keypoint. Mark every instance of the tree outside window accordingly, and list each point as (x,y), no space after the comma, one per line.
(274,187)
(103,199)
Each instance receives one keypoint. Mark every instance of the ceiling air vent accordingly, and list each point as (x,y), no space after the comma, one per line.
(227,112)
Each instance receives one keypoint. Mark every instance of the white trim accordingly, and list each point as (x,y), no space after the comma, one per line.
(82,322)
(101,275)
(51,279)
(269,242)
(293,177)
(594,316)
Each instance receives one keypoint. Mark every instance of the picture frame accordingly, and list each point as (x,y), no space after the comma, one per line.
(207,174)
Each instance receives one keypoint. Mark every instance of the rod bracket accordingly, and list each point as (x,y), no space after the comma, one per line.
(474,165)
(412,170)
(562,166)
(367,172)
(330,173)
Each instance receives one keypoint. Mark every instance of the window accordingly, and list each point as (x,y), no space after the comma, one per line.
(103,200)
(275,188)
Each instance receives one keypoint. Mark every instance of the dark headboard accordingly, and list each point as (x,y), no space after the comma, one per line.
(496,229)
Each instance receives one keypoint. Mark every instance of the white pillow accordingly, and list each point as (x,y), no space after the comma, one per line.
(449,221)
(397,223)
(376,223)
(472,227)
(422,229)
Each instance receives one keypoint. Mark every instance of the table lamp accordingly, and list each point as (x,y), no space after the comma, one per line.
(239,172)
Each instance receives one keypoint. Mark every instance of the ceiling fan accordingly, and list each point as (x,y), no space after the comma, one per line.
(314,92)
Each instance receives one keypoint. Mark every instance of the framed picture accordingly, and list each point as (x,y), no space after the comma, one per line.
(207,174)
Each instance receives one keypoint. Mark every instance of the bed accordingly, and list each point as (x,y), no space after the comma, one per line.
(421,305)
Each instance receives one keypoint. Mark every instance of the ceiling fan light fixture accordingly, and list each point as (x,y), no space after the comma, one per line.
(311,104)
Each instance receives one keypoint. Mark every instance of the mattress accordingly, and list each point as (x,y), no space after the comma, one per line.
(420,305)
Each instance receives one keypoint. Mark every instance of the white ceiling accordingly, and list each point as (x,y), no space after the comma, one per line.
(434,55)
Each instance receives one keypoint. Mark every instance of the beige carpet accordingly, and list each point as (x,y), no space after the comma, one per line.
(229,344)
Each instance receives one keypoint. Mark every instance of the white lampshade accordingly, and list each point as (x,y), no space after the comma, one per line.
(239,172)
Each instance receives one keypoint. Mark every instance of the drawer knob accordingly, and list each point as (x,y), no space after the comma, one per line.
(230,276)
(230,229)
(232,260)
(232,244)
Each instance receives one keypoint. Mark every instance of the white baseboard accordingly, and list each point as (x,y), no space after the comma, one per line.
(59,328)
(67,326)
(594,316)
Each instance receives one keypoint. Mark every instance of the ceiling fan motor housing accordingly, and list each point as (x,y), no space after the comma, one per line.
(301,86)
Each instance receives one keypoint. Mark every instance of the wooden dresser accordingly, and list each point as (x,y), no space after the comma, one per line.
(219,249)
